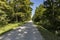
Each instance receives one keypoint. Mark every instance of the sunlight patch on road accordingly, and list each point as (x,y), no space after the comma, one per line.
(34,32)
(1,37)
(30,21)
(19,30)
(9,34)
(35,25)
(22,27)
(25,32)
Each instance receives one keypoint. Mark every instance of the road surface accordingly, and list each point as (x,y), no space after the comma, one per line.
(25,32)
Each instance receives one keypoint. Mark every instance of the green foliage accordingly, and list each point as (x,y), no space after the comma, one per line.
(48,15)
(2,15)
(8,27)
(52,14)
(14,11)
(47,35)
(38,13)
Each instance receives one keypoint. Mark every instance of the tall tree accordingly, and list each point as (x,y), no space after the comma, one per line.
(4,10)
(23,7)
(15,10)
(51,16)
(52,13)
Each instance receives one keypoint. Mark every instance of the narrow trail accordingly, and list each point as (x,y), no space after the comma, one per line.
(25,32)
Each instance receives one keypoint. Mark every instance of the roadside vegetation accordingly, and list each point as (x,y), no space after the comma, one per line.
(14,13)
(47,16)
(47,35)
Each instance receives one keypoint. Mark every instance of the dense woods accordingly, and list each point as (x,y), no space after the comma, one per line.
(15,13)
(12,11)
(47,15)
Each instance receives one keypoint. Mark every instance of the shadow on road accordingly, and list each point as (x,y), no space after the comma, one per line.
(26,32)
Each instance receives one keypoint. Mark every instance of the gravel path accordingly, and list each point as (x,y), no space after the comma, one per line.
(26,32)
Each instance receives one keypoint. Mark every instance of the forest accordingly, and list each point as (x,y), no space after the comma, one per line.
(14,13)
(47,15)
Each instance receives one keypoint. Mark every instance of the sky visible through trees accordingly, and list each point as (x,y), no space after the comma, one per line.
(44,13)
(36,4)
(47,15)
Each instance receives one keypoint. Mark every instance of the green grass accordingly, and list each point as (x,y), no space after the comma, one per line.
(46,34)
(9,27)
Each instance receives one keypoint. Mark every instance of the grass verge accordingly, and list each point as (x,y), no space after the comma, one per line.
(9,27)
(46,34)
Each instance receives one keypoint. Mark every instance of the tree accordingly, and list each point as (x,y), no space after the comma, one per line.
(51,15)
(38,13)
(4,10)
(15,10)
(23,7)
